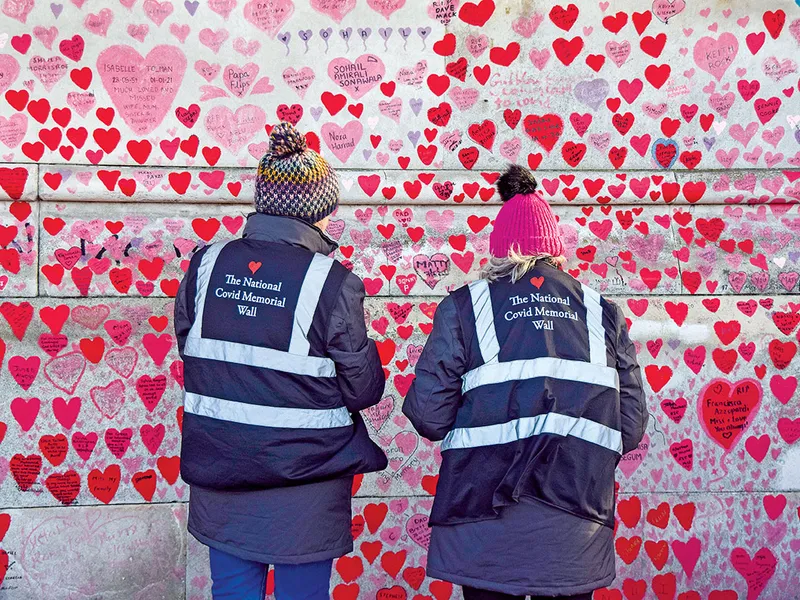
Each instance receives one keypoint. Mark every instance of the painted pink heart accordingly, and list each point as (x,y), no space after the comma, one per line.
(432,269)
(138,32)
(378,414)
(778,69)
(386,7)
(757,571)
(157,11)
(714,56)
(300,80)
(65,371)
(527,26)
(18,9)
(239,79)
(794,29)
(477,44)
(222,7)
(391,109)
(25,411)
(181,32)
(634,459)
(46,35)
(618,52)
(245,48)
(510,149)
(722,103)
(342,141)
(213,39)
(12,130)
(268,15)
(335,9)
(234,130)
(539,58)
(664,10)
(109,399)
(91,317)
(258,150)
(122,360)
(743,134)
(412,75)
(166,64)
(100,22)
(463,98)
(357,77)
(407,441)
(9,71)
(48,70)
(81,102)
(418,530)
(207,71)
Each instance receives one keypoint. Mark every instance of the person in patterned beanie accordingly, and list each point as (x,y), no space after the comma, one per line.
(277,367)
(295,181)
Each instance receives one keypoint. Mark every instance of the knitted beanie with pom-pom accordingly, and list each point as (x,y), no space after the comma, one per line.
(525,222)
(293,180)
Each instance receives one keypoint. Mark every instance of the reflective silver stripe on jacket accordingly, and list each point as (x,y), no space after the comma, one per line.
(526,427)
(257,356)
(266,416)
(596,371)
(546,366)
(594,322)
(307,302)
(296,361)
(484,320)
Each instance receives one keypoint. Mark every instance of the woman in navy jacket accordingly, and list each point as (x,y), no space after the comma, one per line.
(277,366)
(531,382)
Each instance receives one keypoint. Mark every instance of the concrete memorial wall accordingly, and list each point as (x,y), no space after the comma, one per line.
(666,134)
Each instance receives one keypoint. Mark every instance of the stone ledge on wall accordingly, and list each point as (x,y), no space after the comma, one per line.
(142,249)
(226,185)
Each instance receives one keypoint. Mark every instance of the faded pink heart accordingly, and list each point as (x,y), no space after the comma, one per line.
(342,141)
(234,130)
(268,15)
(169,60)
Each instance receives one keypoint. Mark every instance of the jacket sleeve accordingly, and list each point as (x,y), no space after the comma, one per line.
(181,318)
(633,404)
(435,394)
(358,366)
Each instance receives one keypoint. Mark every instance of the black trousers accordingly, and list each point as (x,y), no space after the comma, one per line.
(471,593)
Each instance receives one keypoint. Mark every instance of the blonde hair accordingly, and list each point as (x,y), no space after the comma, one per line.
(516,265)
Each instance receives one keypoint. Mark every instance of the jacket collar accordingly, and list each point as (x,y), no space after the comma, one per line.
(288,230)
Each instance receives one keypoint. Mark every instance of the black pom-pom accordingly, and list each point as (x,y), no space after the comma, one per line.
(516,180)
(286,140)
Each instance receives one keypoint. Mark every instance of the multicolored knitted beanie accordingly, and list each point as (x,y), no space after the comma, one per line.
(293,180)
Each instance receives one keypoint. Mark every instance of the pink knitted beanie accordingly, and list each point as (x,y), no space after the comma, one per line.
(525,222)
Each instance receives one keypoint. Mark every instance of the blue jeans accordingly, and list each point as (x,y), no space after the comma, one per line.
(235,578)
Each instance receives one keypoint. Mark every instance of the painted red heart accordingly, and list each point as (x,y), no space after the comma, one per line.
(726,409)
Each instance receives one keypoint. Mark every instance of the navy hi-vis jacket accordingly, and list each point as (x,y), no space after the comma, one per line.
(535,391)
(272,385)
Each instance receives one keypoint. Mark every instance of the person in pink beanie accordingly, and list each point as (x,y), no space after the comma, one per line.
(531,383)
